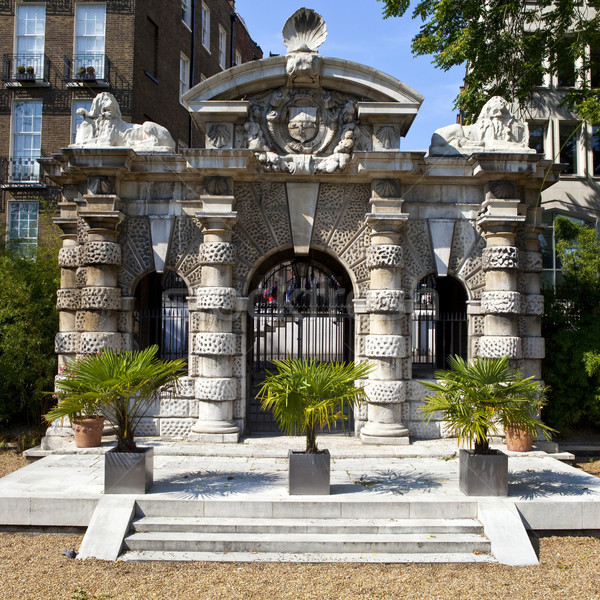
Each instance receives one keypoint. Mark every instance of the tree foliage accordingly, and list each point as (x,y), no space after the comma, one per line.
(28,324)
(571,326)
(507,46)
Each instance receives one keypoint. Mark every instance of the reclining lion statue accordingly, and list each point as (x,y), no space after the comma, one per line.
(103,126)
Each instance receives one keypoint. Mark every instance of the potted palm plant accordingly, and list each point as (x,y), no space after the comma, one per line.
(122,385)
(477,399)
(304,397)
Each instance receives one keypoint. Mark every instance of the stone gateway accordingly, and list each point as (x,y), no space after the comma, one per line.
(301,229)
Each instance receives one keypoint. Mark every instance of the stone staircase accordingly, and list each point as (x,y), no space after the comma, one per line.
(306,531)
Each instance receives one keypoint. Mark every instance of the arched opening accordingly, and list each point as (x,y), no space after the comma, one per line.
(299,308)
(439,324)
(161,315)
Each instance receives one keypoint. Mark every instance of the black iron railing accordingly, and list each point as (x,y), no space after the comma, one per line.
(87,67)
(20,171)
(25,68)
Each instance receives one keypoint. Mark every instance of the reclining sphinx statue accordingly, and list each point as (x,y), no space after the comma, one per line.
(103,126)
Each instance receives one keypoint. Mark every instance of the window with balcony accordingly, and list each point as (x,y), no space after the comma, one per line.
(90,35)
(75,118)
(26,141)
(186,13)
(184,75)
(30,33)
(23,226)
(222,48)
(568,138)
(205,26)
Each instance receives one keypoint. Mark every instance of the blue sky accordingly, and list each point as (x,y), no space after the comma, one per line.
(358,32)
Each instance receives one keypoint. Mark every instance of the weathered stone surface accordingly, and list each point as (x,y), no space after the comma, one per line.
(534,347)
(93,342)
(69,257)
(68,299)
(106,253)
(500,257)
(66,343)
(385,392)
(221,253)
(215,298)
(533,304)
(386,346)
(385,301)
(501,302)
(384,255)
(218,389)
(530,262)
(105,298)
(499,346)
(215,343)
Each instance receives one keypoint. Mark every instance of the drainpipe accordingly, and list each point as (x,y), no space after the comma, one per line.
(192,66)
(232,39)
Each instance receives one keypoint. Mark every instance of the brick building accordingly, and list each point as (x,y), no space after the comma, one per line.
(57,55)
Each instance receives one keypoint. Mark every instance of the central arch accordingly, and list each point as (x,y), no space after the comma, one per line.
(299,307)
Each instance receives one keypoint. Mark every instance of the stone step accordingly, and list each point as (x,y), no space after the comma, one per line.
(313,557)
(311,507)
(404,543)
(322,526)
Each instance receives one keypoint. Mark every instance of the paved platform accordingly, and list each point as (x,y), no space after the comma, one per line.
(64,487)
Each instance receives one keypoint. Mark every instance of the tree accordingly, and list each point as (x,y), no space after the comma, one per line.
(507,46)
(28,325)
(571,326)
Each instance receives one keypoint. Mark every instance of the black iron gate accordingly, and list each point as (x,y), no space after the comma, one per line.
(299,310)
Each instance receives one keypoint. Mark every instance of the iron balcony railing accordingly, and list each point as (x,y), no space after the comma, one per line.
(25,68)
(18,170)
(87,67)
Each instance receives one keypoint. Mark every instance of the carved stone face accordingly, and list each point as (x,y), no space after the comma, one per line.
(303,125)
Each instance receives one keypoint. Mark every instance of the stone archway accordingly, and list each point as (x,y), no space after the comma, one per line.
(298,307)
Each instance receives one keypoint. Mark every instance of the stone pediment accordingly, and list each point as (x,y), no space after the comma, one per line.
(303,113)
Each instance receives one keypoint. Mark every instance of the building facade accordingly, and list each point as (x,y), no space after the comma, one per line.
(299,228)
(58,55)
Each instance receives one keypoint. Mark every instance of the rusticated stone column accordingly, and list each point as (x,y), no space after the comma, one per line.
(387,344)
(214,344)
(501,302)
(100,257)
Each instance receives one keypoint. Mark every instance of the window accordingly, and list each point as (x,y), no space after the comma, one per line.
(238,58)
(205,26)
(90,27)
(595,66)
(184,75)
(568,137)
(29,37)
(565,64)
(596,149)
(186,14)
(222,48)
(26,140)
(75,118)
(537,137)
(23,225)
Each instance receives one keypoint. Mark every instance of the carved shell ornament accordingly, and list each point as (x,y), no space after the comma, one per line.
(304,31)
(219,136)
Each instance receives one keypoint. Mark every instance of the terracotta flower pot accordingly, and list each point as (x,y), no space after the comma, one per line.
(88,431)
(518,440)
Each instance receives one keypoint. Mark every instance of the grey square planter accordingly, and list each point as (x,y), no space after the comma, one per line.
(128,472)
(483,474)
(308,473)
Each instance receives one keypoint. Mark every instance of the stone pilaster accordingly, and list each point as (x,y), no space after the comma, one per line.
(387,344)
(532,305)
(501,302)
(214,345)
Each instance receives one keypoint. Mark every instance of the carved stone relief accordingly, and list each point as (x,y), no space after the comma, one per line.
(69,257)
(499,346)
(216,389)
(217,253)
(386,346)
(105,298)
(501,302)
(106,253)
(221,344)
(385,301)
(500,257)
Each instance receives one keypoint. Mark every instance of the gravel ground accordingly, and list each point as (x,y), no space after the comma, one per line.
(32,567)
